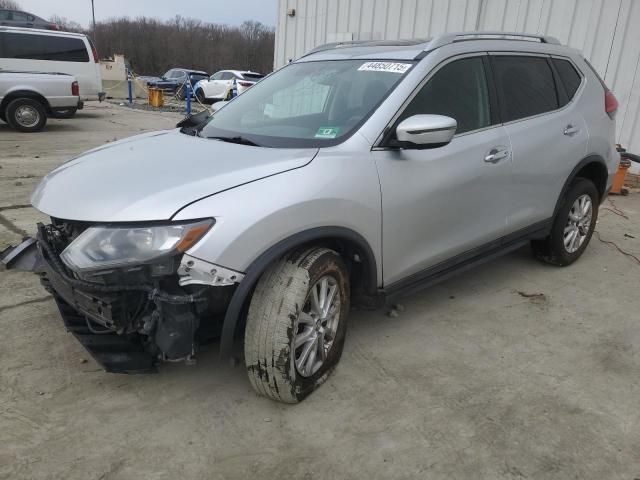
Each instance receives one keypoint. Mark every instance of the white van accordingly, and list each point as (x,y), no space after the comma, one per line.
(30,49)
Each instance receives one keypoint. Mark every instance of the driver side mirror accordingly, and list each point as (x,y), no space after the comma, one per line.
(426,131)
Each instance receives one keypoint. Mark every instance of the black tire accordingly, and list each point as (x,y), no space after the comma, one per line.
(3,117)
(35,107)
(200,96)
(67,113)
(552,249)
(279,301)
(181,94)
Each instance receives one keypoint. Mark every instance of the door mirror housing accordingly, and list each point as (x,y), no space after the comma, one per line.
(425,131)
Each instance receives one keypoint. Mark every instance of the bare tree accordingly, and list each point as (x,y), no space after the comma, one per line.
(65,24)
(10,5)
(153,46)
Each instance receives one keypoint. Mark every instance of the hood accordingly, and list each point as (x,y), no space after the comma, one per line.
(153,175)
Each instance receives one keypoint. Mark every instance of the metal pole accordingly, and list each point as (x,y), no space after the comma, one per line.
(188,97)
(93,15)
(130,90)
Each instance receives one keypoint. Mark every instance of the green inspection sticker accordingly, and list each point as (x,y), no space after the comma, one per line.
(327,132)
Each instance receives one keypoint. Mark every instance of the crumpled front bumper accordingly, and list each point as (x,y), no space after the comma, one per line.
(130,327)
(116,353)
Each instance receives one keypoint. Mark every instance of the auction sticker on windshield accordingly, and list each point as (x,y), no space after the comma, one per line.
(385,67)
(327,132)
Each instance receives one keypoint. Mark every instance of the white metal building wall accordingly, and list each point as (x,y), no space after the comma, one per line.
(606,31)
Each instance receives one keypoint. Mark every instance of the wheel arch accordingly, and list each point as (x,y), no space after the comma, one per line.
(346,241)
(593,168)
(24,94)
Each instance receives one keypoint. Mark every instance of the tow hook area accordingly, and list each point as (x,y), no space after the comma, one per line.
(193,271)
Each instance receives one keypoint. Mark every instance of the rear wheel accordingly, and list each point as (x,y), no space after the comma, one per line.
(573,226)
(26,115)
(296,324)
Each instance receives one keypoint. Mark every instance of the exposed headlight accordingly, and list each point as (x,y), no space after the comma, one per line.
(104,247)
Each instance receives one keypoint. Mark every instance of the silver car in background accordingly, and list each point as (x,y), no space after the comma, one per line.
(359,173)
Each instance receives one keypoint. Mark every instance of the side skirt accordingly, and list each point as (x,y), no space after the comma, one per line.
(464,261)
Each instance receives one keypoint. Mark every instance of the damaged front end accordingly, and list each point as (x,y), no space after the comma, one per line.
(130,315)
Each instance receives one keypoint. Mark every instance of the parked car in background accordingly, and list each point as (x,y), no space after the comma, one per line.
(219,86)
(17,18)
(174,81)
(35,50)
(266,219)
(27,98)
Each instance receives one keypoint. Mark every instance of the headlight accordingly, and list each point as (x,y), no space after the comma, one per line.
(102,247)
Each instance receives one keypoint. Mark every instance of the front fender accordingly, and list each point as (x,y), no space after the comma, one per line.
(337,195)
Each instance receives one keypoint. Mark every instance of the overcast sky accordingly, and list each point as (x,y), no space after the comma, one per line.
(232,12)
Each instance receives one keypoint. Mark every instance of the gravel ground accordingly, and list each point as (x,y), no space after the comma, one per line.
(514,370)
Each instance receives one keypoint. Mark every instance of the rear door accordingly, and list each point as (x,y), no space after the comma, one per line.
(215,87)
(440,203)
(548,134)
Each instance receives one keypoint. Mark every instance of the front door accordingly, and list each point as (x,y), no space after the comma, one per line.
(443,202)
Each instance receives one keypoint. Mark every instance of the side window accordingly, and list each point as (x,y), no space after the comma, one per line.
(525,85)
(458,90)
(5,14)
(227,76)
(569,77)
(43,47)
(216,76)
(20,17)
(179,75)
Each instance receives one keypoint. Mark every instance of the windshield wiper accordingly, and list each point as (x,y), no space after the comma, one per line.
(239,140)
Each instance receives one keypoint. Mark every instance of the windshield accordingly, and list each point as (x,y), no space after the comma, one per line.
(309,104)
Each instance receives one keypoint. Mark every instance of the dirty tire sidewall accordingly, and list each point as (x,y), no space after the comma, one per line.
(552,250)
(14,105)
(272,321)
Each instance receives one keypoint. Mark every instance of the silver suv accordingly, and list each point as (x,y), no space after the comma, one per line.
(358,173)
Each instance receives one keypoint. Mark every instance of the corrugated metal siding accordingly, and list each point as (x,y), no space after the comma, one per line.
(602,29)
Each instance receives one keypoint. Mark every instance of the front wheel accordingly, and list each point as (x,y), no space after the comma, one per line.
(572,227)
(296,324)
(200,96)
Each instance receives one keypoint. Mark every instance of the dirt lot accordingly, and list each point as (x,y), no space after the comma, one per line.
(514,370)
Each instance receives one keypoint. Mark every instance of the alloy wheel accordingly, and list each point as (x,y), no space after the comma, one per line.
(578,223)
(317,326)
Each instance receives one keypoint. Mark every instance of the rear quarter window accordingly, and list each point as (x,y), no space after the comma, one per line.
(569,77)
(42,47)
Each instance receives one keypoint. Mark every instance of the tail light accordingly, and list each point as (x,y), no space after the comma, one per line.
(610,103)
(75,89)
(53,26)
(245,84)
(95,53)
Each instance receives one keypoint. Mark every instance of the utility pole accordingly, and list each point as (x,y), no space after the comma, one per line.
(93,14)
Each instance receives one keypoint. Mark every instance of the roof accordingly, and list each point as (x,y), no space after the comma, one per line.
(41,30)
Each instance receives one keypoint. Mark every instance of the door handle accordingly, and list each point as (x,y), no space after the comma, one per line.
(496,154)
(570,130)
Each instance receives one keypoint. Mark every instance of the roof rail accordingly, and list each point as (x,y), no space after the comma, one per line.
(448,38)
(367,43)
